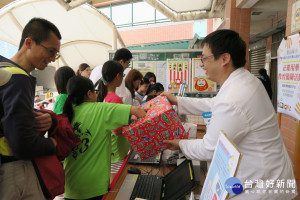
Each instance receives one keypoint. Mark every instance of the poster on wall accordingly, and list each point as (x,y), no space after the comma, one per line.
(200,82)
(288,89)
(157,67)
(145,66)
(161,73)
(178,73)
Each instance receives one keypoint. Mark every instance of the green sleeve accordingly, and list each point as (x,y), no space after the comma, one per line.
(117,115)
(59,103)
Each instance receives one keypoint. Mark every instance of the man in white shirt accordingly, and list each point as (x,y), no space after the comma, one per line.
(123,56)
(243,110)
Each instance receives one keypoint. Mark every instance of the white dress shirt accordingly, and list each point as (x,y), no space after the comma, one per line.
(243,110)
(96,73)
(121,91)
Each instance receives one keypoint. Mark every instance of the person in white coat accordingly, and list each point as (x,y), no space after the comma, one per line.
(243,110)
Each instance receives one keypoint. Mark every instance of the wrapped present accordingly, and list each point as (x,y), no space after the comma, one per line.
(146,134)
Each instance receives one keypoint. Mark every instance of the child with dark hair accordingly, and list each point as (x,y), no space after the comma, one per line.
(141,91)
(122,56)
(154,91)
(150,97)
(112,77)
(61,77)
(87,167)
(37,99)
(151,76)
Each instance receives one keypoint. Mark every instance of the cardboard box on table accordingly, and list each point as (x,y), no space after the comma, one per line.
(146,134)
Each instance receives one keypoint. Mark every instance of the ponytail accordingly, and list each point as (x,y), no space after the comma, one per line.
(77,88)
(68,109)
(102,91)
(77,72)
(110,70)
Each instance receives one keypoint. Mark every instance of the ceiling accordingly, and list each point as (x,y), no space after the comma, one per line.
(269,12)
(83,37)
(4,2)
(189,5)
(264,12)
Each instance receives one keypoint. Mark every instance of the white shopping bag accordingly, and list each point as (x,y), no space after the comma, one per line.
(191,129)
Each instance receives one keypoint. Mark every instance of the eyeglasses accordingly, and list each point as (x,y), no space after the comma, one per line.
(128,62)
(122,75)
(52,53)
(202,59)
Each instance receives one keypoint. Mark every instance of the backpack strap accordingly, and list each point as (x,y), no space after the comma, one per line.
(5,149)
(7,66)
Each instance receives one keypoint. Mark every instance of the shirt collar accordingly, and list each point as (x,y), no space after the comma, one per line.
(234,74)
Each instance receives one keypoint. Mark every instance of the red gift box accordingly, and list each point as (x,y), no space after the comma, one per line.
(146,134)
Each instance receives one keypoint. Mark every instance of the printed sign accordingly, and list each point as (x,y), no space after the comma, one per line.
(220,178)
(178,73)
(200,82)
(288,98)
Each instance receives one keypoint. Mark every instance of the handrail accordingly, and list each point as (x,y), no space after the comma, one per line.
(43,101)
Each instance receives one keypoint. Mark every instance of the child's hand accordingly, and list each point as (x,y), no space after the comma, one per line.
(133,117)
(137,111)
(138,99)
(171,97)
(147,107)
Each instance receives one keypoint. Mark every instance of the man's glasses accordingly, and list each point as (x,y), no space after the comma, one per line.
(52,53)
(202,59)
(128,62)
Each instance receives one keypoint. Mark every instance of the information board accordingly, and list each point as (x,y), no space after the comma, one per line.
(289,76)
(222,170)
(200,83)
